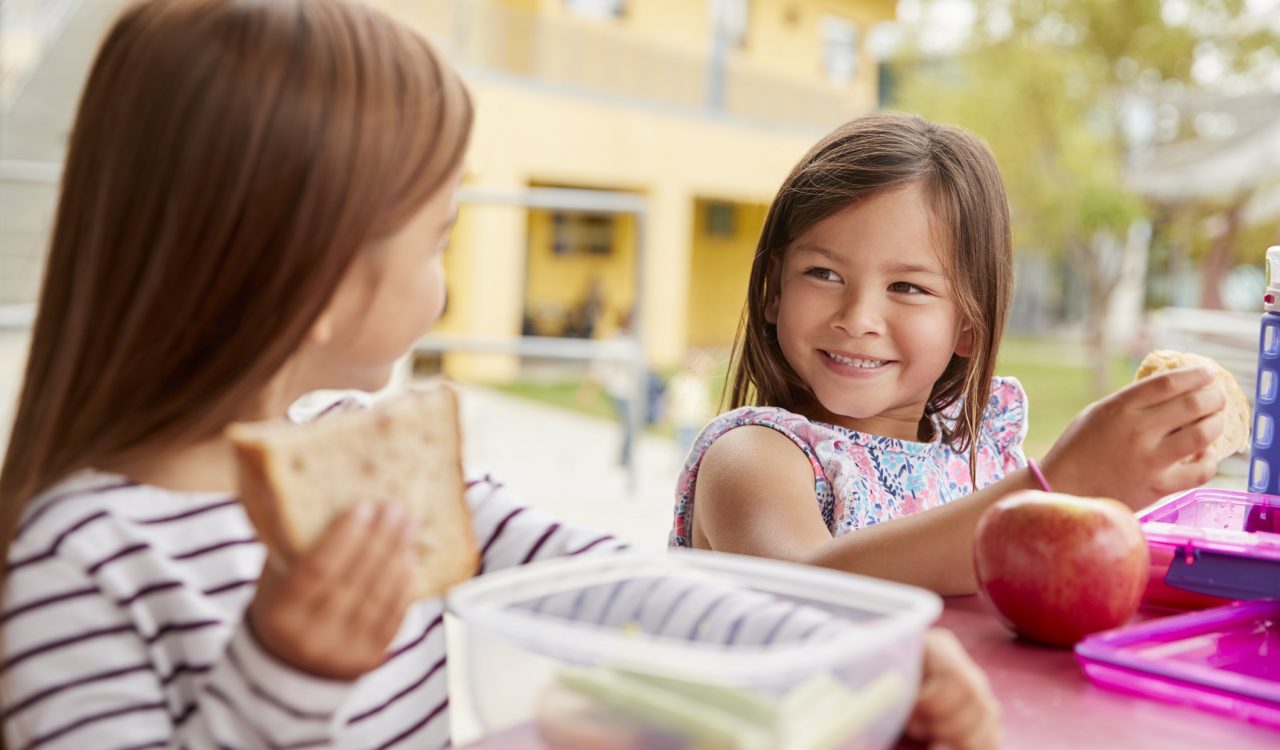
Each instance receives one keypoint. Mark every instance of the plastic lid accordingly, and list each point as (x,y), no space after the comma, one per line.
(880,612)
(1225,659)
(1271,299)
(1226,541)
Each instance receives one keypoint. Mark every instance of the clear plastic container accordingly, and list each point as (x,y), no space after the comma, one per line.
(690,650)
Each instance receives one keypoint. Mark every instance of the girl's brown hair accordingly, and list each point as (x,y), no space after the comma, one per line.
(863,158)
(229,160)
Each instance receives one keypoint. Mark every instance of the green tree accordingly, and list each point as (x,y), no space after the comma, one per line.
(1054,87)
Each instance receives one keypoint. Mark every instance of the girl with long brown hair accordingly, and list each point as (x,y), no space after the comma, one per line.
(863,388)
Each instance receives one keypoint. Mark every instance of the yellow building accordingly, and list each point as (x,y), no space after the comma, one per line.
(699,106)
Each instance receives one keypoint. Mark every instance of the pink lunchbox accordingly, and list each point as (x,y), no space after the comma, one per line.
(1208,546)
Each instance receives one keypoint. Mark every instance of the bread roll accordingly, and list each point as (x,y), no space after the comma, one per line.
(295,478)
(1236,414)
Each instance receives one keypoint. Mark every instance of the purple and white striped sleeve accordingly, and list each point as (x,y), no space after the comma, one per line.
(510,533)
(78,667)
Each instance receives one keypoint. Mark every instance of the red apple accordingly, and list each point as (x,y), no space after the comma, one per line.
(1057,567)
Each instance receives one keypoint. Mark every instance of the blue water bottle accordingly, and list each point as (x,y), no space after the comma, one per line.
(1264,456)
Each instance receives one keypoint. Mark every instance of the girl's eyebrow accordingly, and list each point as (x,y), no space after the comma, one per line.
(914,268)
(893,268)
(807,247)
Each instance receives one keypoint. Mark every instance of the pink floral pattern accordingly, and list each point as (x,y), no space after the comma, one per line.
(862,479)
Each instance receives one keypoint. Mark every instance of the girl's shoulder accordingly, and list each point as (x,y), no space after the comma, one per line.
(801,431)
(762,451)
(90,512)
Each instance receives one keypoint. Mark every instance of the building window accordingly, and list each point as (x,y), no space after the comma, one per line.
(597,8)
(574,233)
(720,219)
(839,48)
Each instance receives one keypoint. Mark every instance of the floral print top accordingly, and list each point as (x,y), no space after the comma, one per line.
(861,479)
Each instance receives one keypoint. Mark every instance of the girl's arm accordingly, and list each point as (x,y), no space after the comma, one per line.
(755,487)
(755,497)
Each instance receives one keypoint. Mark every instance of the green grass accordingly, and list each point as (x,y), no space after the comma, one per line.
(566,394)
(1055,376)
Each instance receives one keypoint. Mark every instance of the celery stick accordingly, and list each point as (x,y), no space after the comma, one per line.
(833,720)
(718,729)
(755,707)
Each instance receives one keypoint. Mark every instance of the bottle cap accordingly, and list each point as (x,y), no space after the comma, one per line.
(1271,298)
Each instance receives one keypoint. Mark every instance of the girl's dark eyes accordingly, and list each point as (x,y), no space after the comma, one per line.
(824,274)
(903,287)
(897,287)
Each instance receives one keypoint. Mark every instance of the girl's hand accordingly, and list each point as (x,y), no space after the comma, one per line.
(1142,442)
(333,611)
(955,707)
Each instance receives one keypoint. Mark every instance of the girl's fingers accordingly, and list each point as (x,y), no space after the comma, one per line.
(1186,409)
(382,610)
(954,728)
(341,546)
(1195,472)
(309,579)
(948,697)
(986,736)
(385,542)
(1164,386)
(1190,440)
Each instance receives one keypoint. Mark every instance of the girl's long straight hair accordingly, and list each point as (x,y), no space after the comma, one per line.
(229,160)
(962,185)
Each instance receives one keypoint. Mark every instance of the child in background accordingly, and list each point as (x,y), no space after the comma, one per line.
(862,378)
(253,207)
(689,399)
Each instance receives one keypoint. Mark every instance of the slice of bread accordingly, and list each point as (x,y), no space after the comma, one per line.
(1237,413)
(295,478)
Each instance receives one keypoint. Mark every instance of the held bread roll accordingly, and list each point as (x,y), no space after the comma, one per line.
(1236,414)
(295,478)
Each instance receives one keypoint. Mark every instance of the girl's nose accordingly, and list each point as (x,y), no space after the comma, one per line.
(860,314)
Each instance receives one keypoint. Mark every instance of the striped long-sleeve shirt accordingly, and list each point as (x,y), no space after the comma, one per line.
(123,627)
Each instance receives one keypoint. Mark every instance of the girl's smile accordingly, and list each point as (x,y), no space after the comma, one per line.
(852,364)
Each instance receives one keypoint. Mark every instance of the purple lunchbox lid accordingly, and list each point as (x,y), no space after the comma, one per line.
(1234,649)
(1213,519)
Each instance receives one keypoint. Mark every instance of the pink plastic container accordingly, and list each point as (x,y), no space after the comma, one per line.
(1212,546)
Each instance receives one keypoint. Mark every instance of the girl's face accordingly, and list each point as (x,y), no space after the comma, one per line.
(865,316)
(391,295)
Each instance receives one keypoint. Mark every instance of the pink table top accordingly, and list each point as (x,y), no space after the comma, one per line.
(1048,703)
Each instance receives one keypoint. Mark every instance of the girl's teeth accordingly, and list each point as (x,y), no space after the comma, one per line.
(856,362)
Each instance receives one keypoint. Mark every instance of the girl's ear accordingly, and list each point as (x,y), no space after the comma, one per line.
(964,343)
(775,291)
(322,330)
